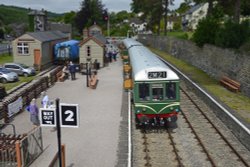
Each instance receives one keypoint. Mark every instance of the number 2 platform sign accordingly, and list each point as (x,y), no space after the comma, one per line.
(69,115)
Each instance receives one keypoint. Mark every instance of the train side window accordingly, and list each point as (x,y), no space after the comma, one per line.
(170,90)
(144,91)
(157,92)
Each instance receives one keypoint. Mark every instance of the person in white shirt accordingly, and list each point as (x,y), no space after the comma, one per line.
(45,100)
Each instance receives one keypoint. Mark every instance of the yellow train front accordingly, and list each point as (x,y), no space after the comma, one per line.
(156,97)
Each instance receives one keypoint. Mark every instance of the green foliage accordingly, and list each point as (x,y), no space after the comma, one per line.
(179,34)
(206,31)
(232,35)
(91,12)
(177,26)
(11,14)
(1,33)
(68,18)
(120,31)
(5,58)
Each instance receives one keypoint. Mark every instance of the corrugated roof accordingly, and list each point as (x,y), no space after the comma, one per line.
(45,36)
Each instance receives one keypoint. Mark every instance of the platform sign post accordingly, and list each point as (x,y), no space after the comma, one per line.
(58,131)
(47,116)
(69,115)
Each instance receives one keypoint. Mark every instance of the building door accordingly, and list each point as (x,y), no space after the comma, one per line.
(37,59)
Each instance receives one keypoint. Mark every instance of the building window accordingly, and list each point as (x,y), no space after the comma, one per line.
(88,51)
(22,48)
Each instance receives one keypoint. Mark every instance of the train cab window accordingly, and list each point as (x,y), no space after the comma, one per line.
(170,91)
(157,92)
(144,91)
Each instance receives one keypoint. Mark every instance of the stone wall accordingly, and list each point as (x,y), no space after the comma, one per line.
(215,61)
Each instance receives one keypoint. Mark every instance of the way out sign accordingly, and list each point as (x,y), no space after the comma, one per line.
(47,116)
(69,115)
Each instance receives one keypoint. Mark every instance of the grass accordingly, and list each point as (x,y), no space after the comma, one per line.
(180,34)
(236,101)
(5,58)
(11,85)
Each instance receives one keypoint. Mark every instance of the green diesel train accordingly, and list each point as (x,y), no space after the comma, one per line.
(156,97)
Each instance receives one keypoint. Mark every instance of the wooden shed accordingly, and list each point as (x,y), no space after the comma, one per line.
(36,48)
(92,49)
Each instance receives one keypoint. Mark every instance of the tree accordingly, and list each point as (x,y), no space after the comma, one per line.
(165,4)
(68,18)
(152,10)
(1,33)
(91,12)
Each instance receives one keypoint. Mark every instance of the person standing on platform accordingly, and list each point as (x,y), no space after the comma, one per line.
(33,109)
(45,100)
(72,70)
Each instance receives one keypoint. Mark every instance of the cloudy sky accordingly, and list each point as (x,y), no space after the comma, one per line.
(62,6)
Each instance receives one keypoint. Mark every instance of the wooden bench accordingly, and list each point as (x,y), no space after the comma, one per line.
(60,75)
(93,81)
(230,84)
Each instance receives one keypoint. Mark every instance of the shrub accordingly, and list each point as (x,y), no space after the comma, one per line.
(232,35)
(206,31)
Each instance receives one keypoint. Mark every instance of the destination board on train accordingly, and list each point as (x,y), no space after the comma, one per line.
(157,74)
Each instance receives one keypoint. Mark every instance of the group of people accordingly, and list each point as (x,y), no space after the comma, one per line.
(112,52)
(33,108)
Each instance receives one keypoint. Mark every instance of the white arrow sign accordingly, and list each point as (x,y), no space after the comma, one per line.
(47,116)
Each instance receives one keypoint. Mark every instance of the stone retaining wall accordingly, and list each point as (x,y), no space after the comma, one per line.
(215,61)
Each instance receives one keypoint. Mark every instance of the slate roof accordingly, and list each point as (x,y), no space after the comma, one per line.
(99,39)
(45,36)
(194,8)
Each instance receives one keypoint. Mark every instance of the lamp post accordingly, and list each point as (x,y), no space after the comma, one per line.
(108,27)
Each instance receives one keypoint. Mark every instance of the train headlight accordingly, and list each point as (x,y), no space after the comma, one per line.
(177,110)
(171,108)
(143,109)
(138,111)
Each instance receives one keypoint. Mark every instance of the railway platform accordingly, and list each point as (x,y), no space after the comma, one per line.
(95,143)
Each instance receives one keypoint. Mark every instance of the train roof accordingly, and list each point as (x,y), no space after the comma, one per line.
(129,42)
(148,67)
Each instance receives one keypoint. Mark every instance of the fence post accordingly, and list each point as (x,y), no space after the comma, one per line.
(5,112)
(18,154)
(63,156)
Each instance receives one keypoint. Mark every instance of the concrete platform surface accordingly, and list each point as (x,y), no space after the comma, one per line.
(95,142)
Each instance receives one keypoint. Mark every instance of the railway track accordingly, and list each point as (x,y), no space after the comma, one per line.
(201,139)
(217,142)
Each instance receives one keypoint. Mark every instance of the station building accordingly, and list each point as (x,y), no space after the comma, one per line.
(36,48)
(92,47)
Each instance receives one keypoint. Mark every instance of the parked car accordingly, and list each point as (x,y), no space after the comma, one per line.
(20,69)
(7,76)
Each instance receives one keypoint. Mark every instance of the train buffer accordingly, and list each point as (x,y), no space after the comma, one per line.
(230,84)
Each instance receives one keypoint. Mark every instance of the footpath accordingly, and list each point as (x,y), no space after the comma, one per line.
(95,142)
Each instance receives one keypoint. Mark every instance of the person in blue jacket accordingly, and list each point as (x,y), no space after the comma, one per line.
(72,70)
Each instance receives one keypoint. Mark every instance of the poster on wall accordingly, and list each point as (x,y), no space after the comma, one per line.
(15,107)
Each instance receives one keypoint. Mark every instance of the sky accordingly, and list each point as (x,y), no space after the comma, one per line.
(62,6)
